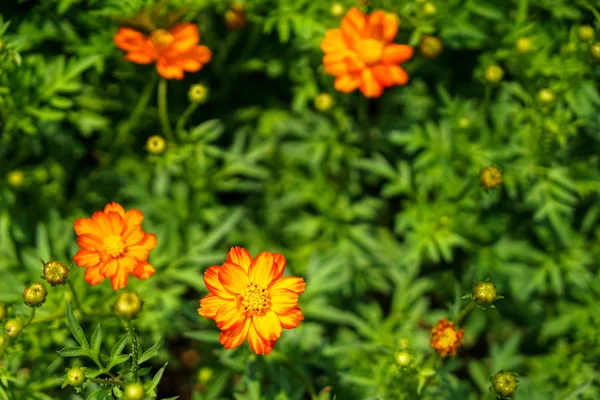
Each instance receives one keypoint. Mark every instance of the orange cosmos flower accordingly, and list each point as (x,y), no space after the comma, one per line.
(251,298)
(445,339)
(361,54)
(174,51)
(113,245)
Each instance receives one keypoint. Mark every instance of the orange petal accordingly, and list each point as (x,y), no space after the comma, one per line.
(143,270)
(130,40)
(169,71)
(267,326)
(293,283)
(193,60)
(93,276)
(279,264)
(336,69)
(263,269)
(333,41)
(139,58)
(90,243)
(211,280)
(85,226)
(347,83)
(209,305)
(353,25)
(383,25)
(114,207)
(101,222)
(396,53)
(240,256)
(142,249)
(185,37)
(382,75)
(369,86)
(84,258)
(133,217)
(234,337)
(119,280)
(233,277)
(291,319)
(398,74)
(115,221)
(391,23)
(258,344)
(283,300)
(229,315)
(133,235)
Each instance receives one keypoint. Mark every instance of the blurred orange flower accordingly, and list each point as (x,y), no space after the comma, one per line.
(174,51)
(113,245)
(361,53)
(445,339)
(251,298)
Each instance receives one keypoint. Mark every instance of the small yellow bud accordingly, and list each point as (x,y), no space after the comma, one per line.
(464,123)
(128,305)
(156,144)
(431,46)
(324,102)
(546,96)
(429,9)
(55,273)
(134,391)
(403,343)
(505,384)
(491,177)
(15,178)
(75,377)
(205,375)
(484,293)
(2,311)
(235,18)
(493,74)
(337,10)
(586,33)
(524,45)
(198,93)
(13,328)
(595,51)
(35,295)
(403,358)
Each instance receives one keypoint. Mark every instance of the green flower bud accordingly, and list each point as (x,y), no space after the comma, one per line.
(337,9)
(205,375)
(156,144)
(431,46)
(484,293)
(546,96)
(429,9)
(13,328)
(128,305)
(586,33)
(595,51)
(505,384)
(16,178)
(403,358)
(524,45)
(324,102)
(35,295)
(493,74)
(464,123)
(2,311)
(75,377)
(55,273)
(134,391)
(198,93)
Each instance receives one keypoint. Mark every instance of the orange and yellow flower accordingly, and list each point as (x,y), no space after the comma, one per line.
(174,51)
(445,339)
(251,298)
(361,54)
(113,245)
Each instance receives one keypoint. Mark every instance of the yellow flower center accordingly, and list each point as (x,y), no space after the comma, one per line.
(447,338)
(255,300)
(161,39)
(370,50)
(114,245)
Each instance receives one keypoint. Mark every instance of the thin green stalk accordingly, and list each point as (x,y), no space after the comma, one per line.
(185,116)
(31,316)
(137,111)
(75,297)
(464,312)
(522,11)
(135,348)
(162,110)
(106,381)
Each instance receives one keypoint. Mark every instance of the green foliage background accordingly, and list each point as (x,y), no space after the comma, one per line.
(377,203)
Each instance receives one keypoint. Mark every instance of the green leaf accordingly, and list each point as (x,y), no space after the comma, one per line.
(155,381)
(76,328)
(151,352)
(96,340)
(74,352)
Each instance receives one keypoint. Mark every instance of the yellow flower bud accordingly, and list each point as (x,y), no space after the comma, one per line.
(505,384)
(235,18)
(134,391)
(464,123)
(493,74)
(524,45)
(484,293)
(198,93)
(546,96)
(595,51)
(13,328)
(403,358)
(324,102)
(491,177)
(15,178)
(205,375)
(586,33)
(128,305)
(75,377)
(35,295)
(55,273)
(429,9)
(156,144)
(431,46)
(337,10)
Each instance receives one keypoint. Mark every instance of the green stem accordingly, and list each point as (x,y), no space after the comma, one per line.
(75,297)
(137,111)
(106,381)
(162,110)
(464,312)
(28,322)
(135,348)
(522,11)
(185,116)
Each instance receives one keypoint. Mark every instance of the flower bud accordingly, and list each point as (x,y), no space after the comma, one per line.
(156,144)
(190,358)
(198,93)
(484,293)
(491,177)
(505,384)
(403,358)
(524,45)
(493,74)
(205,375)
(55,273)
(431,46)
(128,305)
(35,295)
(595,51)
(586,33)
(464,123)
(324,102)
(13,328)
(546,96)
(235,18)
(429,9)
(337,10)
(134,391)
(75,377)
(2,311)
(16,178)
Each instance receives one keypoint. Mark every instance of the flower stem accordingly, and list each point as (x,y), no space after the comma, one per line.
(185,116)
(75,297)
(28,322)
(135,348)
(137,111)
(106,381)
(162,110)
(464,312)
